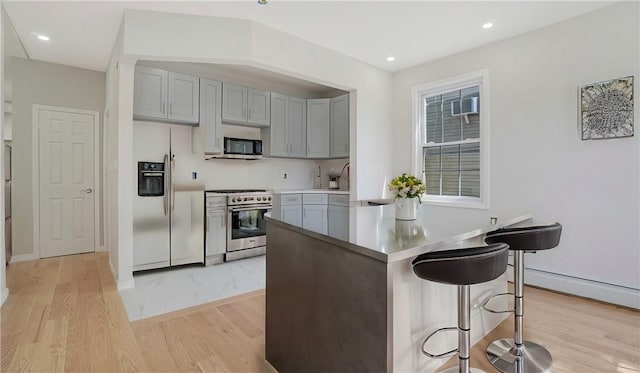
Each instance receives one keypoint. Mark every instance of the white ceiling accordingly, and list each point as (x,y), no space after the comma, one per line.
(83,32)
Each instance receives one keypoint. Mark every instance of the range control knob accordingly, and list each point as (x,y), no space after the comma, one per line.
(246,199)
(269,198)
(233,199)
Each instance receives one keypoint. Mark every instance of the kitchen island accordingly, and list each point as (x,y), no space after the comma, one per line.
(337,305)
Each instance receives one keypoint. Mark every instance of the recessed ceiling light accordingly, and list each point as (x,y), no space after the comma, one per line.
(487,25)
(391,58)
(43,37)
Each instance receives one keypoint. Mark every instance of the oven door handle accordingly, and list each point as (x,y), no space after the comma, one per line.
(250,207)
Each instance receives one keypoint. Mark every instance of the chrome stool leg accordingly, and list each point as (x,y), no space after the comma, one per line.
(516,355)
(464,333)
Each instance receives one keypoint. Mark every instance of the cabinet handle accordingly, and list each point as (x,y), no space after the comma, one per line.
(171,108)
(249,114)
(345,147)
(218,142)
(222,222)
(163,108)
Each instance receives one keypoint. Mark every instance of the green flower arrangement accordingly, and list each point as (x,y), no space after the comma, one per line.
(407,186)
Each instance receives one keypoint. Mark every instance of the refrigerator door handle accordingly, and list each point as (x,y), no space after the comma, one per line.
(165,198)
(173,182)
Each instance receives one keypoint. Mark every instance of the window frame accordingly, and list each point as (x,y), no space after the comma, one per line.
(418,141)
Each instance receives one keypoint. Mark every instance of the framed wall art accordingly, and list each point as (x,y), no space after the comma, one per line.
(606,109)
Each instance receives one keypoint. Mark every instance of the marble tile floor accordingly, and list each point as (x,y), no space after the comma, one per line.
(159,292)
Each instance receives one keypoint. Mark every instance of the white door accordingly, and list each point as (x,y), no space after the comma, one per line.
(66,178)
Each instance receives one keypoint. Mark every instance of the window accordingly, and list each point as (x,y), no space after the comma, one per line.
(452,147)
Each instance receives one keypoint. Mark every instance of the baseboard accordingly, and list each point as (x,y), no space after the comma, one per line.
(22,258)
(126,284)
(614,294)
(5,295)
(121,284)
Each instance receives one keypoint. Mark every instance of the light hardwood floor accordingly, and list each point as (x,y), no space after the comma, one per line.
(65,314)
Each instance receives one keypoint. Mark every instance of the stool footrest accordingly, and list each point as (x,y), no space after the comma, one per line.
(486,302)
(444,354)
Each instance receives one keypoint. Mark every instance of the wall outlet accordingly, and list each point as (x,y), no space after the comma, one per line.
(284,176)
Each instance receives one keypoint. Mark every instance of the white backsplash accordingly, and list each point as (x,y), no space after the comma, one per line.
(266,173)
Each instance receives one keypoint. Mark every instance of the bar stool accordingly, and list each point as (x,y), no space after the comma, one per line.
(516,354)
(462,267)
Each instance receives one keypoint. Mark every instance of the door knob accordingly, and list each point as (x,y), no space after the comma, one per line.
(88,190)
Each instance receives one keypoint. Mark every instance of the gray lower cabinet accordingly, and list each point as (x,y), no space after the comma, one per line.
(338,216)
(165,96)
(314,212)
(318,212)
(292,215)
(288,208)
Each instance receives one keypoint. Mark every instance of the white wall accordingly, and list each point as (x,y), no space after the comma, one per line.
(4,291)
(223,40)
(146,36)
(37,82)
(538,162)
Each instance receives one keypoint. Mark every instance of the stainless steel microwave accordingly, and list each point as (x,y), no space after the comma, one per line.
(242,148)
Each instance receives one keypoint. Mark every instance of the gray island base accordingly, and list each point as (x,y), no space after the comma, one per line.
(338,306)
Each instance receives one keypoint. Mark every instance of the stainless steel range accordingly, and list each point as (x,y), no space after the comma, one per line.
(246,226)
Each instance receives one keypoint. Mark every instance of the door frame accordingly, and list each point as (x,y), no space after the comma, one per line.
(35,172)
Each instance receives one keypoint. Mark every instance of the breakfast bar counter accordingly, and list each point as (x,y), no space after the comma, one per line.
(356,306)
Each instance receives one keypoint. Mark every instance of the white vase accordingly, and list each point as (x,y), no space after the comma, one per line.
(406,208)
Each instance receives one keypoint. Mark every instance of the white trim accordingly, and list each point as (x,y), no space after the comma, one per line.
(601,291)
(128,283)
(480,78)
(23,258)
(35,168)
(5,295)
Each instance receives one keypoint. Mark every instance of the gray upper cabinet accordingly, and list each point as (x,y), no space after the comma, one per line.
(318,123)
(276,144)
(183,98)
(150,93)
(234,103)
(287,135)
(210,115)
(259,108)
(297,129)
(245,106)
(340,126)
(165,96)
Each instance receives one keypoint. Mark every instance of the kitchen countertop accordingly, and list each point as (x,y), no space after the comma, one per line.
(374,231)
(294,191)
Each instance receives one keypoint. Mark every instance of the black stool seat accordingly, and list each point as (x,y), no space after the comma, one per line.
(541,237)
(466,266)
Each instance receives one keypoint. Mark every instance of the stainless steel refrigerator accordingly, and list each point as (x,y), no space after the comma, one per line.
(168,205)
